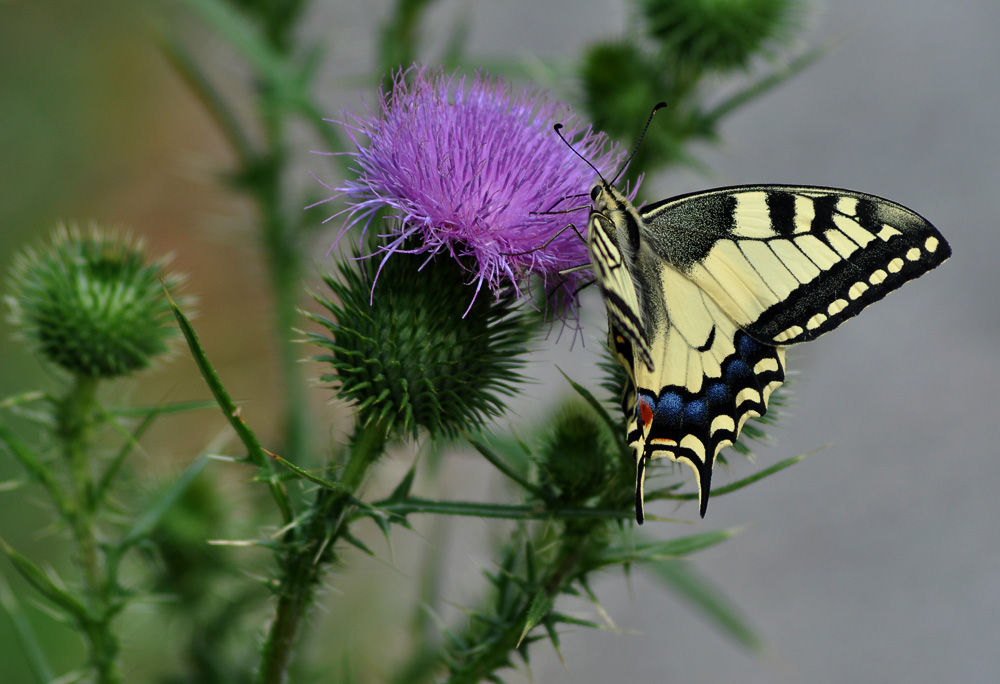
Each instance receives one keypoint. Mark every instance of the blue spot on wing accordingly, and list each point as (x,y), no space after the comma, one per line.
(746,347)
(678,413)
(734,371)
(716,393)
(668,410)
(696,412)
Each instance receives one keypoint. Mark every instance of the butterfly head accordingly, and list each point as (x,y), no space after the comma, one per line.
(611,210)
(607,200)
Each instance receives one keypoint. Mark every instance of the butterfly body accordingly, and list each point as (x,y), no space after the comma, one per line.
(704,292)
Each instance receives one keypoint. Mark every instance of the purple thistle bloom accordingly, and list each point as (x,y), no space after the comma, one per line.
(475,170)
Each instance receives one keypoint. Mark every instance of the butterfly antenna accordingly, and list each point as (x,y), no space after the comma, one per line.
(658,107)
(558,129)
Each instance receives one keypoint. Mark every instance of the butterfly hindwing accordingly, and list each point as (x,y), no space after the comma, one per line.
(710,379)
(705,290)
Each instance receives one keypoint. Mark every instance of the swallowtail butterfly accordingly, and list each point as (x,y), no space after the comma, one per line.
(704,291)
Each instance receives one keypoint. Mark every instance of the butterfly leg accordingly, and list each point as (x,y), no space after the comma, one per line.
(545,244)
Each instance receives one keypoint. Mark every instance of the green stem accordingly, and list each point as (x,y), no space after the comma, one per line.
(76,416)
(76,419)
(262,176)
(286,279)
(281,245)
(75,425)
(493,658)
(310,547)
(563,570)
(400,35)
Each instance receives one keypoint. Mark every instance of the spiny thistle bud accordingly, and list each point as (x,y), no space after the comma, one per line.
(620,81)
(577,459)
(720,34)
(417,352)
(92,304)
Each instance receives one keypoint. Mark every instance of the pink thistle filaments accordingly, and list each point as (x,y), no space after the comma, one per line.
(474,169)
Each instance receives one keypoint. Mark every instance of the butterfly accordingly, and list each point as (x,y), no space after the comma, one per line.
(704,291)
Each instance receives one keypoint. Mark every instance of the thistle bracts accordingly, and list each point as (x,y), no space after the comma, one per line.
(92,303)
(419,352)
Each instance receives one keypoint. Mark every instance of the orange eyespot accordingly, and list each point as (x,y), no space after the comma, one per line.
(645,411)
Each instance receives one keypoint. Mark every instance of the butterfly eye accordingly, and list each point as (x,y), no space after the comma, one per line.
(595,193)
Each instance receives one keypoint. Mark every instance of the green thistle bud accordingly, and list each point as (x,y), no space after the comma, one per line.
(185,566)
(415,351)
(620,85)
(577,461)
(720,34)
(92,304)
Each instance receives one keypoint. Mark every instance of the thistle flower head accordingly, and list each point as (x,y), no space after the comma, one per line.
(411,356)
(472,168)
(92,304)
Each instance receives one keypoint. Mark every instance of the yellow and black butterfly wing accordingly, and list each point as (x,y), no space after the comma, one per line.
(718,282)
(789,263)
(693,377)
(711,377)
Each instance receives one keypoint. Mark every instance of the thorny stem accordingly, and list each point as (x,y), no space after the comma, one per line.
(311,546)
(75,416)
(491,659)
(563,571)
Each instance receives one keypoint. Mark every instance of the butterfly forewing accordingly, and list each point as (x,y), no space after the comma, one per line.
(705,290)
(791,263)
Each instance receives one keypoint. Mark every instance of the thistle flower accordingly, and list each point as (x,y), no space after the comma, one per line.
(474,169)
(92,304)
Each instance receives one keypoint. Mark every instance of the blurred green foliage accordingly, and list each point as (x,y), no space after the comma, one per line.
(88,106)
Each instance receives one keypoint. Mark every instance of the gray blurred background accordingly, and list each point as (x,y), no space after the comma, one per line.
(876,559)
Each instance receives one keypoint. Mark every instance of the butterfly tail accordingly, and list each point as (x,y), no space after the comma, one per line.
(704,486)
(640,481)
